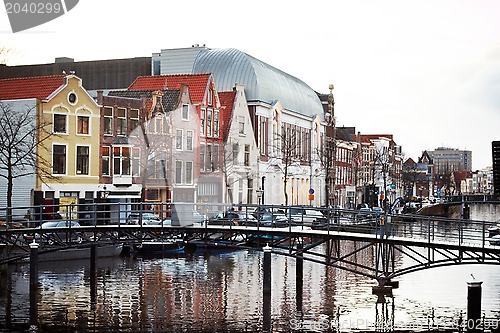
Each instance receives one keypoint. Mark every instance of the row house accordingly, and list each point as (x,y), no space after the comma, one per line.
(240,153)
(478,182)
(197,135)
(67,123)
(381,168)
(346,167)
(141,150)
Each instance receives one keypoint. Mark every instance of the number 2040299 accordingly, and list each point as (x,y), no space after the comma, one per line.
(33,8)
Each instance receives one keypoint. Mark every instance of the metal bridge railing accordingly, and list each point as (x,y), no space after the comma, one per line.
(416,227)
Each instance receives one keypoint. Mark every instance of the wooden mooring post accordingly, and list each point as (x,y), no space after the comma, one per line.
(266,295)
(34,286)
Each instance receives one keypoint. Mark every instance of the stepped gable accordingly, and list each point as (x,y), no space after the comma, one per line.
(30,87)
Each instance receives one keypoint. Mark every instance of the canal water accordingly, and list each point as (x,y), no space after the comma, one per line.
(222,292)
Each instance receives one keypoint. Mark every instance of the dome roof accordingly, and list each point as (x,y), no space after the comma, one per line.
(262,82)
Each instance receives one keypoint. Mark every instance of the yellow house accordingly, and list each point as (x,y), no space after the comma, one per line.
(72,148)
(66,123)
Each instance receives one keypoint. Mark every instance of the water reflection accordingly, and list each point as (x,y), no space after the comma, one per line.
(223,292)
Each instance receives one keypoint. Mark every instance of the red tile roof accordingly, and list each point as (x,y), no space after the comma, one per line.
(226,110)
(30,87)
(197,83)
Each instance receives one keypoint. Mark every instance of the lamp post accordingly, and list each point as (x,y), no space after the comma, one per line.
(99,211)
(262,188)
(330,119)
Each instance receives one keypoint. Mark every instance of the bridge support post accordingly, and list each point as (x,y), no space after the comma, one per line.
(33,286)
(474,306)
(299,276)
(93,275)
(266,301)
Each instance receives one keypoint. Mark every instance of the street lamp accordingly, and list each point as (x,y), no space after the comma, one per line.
(262,188)
(330,119)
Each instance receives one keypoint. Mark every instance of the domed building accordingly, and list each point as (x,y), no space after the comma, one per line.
(262,82)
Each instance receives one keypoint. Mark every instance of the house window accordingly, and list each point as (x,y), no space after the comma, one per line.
(105,157)
(153,194)
(202,157)
(236,149)
(60,122)
(185,112)
(178,139)
(59,159)
(263,136)
(216,124)
(202,121)
(249,190)
(209,123)
(247,155)
(121,114)
(178,172)
(189,173)
(108,121)
(189,140)
(161,165)
(210,97)
(82,160)
(158,121)
(136,162)
(121,161)
(241,125)
(83,124)
(134,121)
(215,157)
(208,163)
(151,168)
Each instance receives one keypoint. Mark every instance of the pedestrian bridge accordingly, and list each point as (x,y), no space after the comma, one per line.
(382,247)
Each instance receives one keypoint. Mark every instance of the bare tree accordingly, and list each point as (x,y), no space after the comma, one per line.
(287,153)
(383,167)
(326,156)
(22,139)
(229,167)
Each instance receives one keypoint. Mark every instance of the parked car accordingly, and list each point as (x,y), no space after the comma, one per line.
(308,217)
(143,219)
(274,219)
(232,218)
(55,236)
(364,213)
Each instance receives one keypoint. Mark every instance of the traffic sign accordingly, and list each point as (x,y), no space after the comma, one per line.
(311,191)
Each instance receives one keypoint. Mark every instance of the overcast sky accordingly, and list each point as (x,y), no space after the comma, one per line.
(426,71)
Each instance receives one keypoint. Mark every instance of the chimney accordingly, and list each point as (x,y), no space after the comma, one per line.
(99,97)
